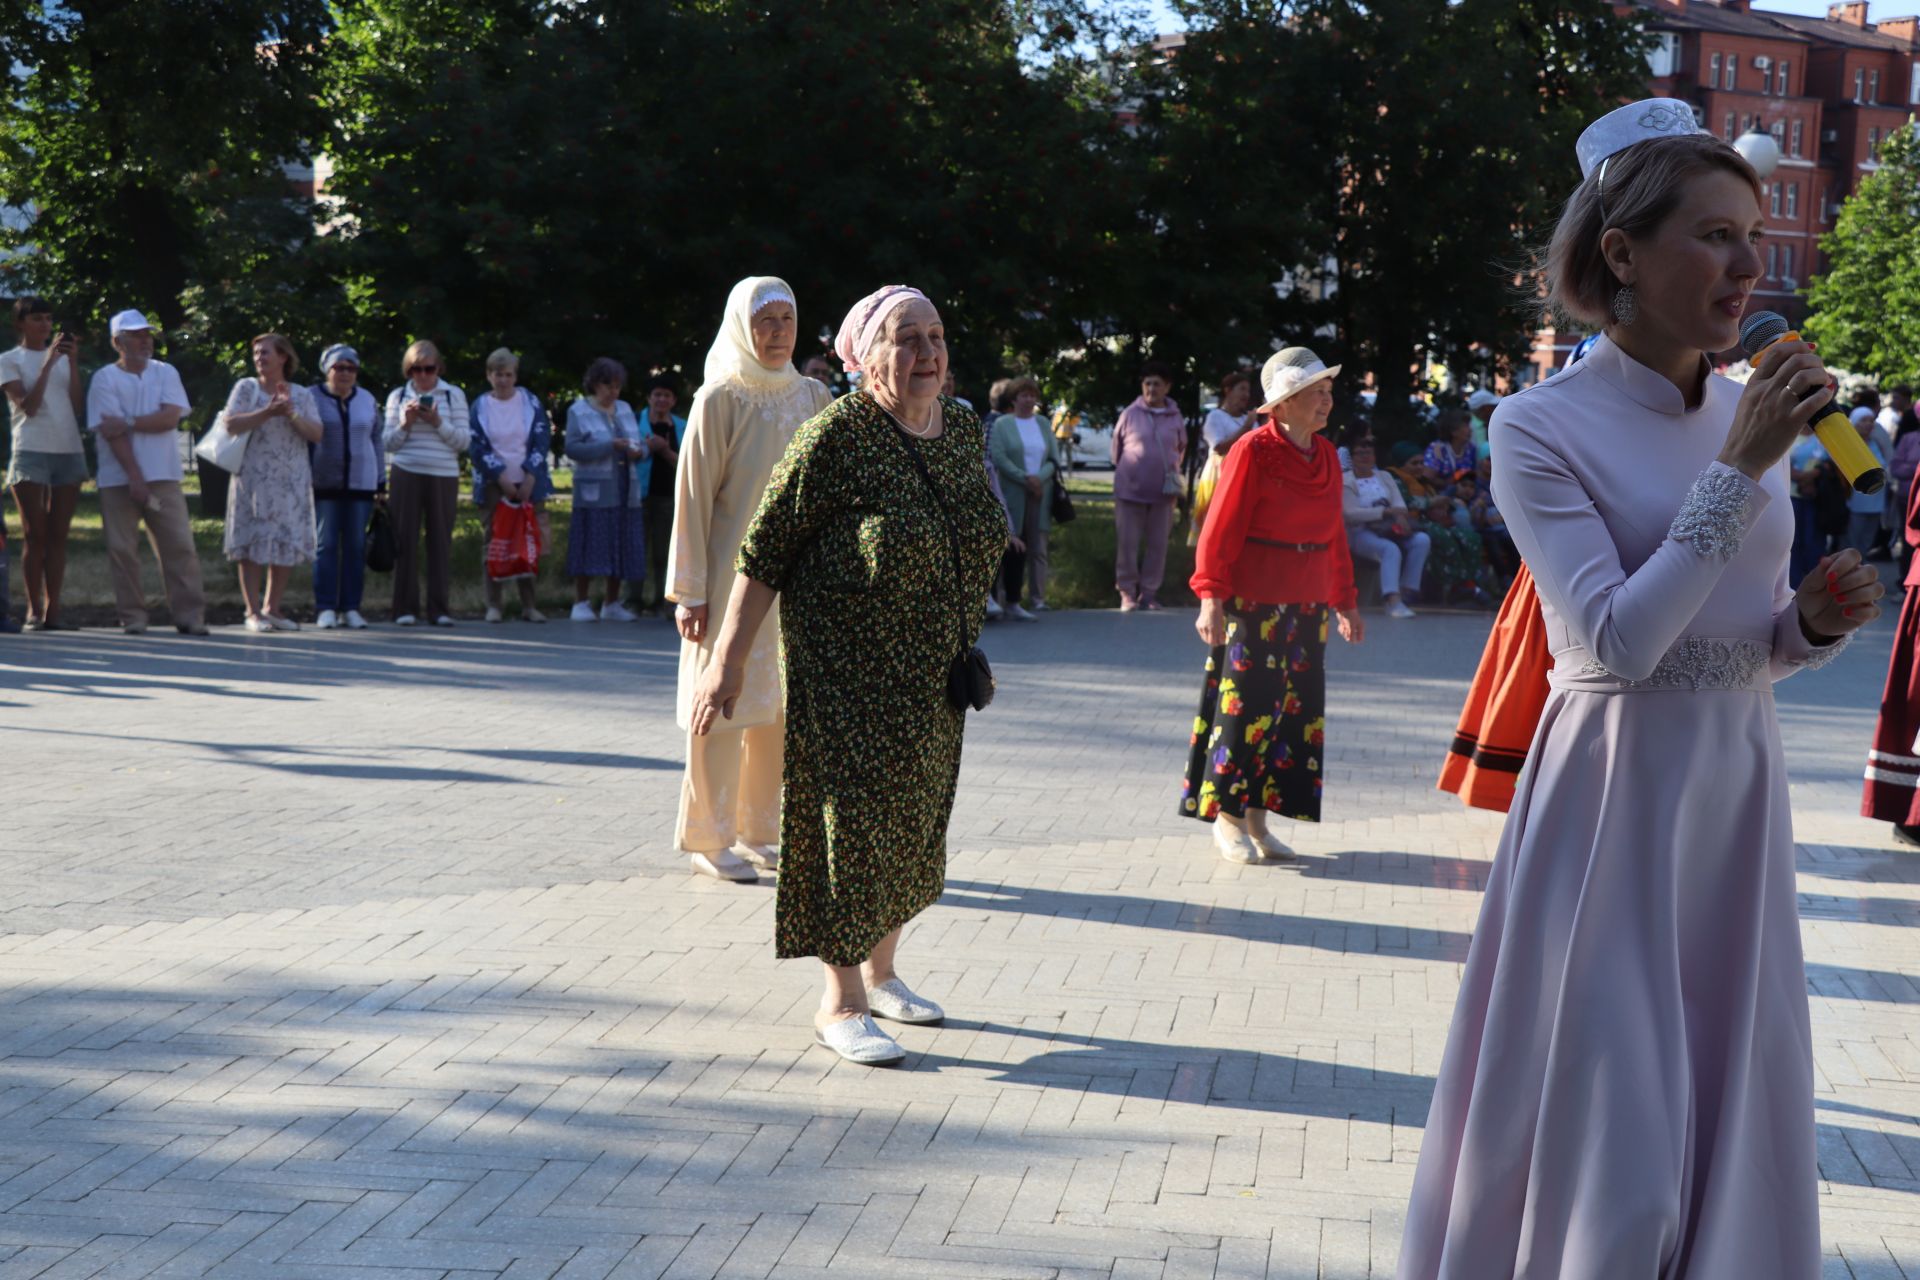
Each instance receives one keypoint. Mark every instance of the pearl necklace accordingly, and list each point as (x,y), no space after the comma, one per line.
(925,433)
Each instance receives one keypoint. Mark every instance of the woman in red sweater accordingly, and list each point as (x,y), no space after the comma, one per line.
(1272,562)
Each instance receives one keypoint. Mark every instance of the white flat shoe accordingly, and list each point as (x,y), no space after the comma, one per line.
(859,1040)
(1272,847)
(895,1001)
(722,865)
(1234,844)
(764,856)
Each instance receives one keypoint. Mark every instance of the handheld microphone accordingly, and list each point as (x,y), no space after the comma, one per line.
(1849,452)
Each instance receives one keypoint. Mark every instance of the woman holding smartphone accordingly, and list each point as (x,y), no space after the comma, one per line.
(428,427)
(42,380)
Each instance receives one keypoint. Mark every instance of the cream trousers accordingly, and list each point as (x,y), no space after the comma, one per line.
(731,789)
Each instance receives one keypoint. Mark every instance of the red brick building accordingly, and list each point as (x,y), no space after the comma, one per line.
(1827,89)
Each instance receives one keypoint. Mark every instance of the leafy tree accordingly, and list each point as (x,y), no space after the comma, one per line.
(1384,164)
(1866,305)
(145,147)
(575,179)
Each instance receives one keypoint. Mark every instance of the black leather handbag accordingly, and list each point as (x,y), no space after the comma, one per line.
(1062,502)
(381,551)
(969,675)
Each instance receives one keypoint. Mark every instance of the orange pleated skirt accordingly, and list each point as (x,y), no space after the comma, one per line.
(1503,705)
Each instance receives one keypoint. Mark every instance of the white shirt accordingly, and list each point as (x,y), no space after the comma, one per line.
(115,393)
(53,428)
(1032,443)
(1373,491)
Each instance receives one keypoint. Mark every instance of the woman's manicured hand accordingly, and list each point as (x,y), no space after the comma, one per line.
(1353,627)
(1841,594)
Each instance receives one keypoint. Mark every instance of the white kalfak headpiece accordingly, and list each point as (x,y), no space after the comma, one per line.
(1636,122)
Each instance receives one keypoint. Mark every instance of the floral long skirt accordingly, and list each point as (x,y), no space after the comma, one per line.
(1260,735)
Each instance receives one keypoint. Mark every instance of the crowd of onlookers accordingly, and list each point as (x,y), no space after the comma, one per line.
(329,475)
(335,477)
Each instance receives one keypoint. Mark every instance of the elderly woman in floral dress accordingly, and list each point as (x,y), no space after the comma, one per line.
(880,537)
(270,504)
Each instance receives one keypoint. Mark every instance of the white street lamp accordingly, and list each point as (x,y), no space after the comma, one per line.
(1760,151)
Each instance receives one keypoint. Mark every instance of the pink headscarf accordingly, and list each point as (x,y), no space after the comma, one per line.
(864,322)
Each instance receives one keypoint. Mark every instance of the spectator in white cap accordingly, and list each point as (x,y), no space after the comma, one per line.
(135,405)
(270,504)
(349,476)
(1480,405)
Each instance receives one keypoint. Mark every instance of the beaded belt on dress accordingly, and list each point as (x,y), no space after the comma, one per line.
(1302,547)
(1696,663)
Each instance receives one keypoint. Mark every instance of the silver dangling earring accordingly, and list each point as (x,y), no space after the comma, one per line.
(1625,306)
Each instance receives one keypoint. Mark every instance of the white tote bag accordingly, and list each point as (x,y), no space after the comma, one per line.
(220,446)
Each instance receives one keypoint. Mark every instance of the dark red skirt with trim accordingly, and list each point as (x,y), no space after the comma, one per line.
(1892,792)
(1503,706)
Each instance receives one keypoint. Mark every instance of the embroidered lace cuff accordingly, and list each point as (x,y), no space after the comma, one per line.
(1825,653)
(1713,519)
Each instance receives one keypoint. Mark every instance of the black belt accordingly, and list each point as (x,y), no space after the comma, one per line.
(1289,546)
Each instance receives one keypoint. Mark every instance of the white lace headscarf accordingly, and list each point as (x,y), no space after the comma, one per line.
(731,358)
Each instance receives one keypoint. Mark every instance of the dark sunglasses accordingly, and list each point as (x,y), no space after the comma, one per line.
(424,368)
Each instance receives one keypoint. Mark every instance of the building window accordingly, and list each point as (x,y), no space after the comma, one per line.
(1766,77)
(1785,66)
(1730,122)
(1859,84)
(1793,147)
(1793,199)
(1773,199)
(1713,71)
(1873,86)
(1779,132)
(1873,144)
(1786,261)
(1913,94)
(1733,66)
(1773,262)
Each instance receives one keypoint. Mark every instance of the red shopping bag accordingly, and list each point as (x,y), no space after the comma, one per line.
(513,544)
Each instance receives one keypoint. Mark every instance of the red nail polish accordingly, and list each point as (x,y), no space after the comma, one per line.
(1846,613)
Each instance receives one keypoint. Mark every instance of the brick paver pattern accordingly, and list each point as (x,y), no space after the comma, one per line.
(367,955)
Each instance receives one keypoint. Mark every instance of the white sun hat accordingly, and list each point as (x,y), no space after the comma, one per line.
(1287,373)
(126,322)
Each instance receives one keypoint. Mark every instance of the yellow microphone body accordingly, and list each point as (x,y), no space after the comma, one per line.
(1844,445)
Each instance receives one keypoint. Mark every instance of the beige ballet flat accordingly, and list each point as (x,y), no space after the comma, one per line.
(722,865)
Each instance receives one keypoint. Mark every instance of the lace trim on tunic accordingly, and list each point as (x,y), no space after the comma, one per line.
(1713,519)
(1826,653)
(1699,662)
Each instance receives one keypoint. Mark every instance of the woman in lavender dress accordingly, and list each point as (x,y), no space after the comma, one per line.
(1627,1089)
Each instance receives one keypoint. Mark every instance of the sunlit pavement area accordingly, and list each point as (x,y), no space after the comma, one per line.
(368,955)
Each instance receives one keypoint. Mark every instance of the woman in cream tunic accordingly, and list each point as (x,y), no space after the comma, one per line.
(747,410)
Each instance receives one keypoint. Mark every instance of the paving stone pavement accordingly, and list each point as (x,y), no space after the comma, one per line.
(366,955)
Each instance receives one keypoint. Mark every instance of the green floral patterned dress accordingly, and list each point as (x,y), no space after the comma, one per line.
(870,615)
